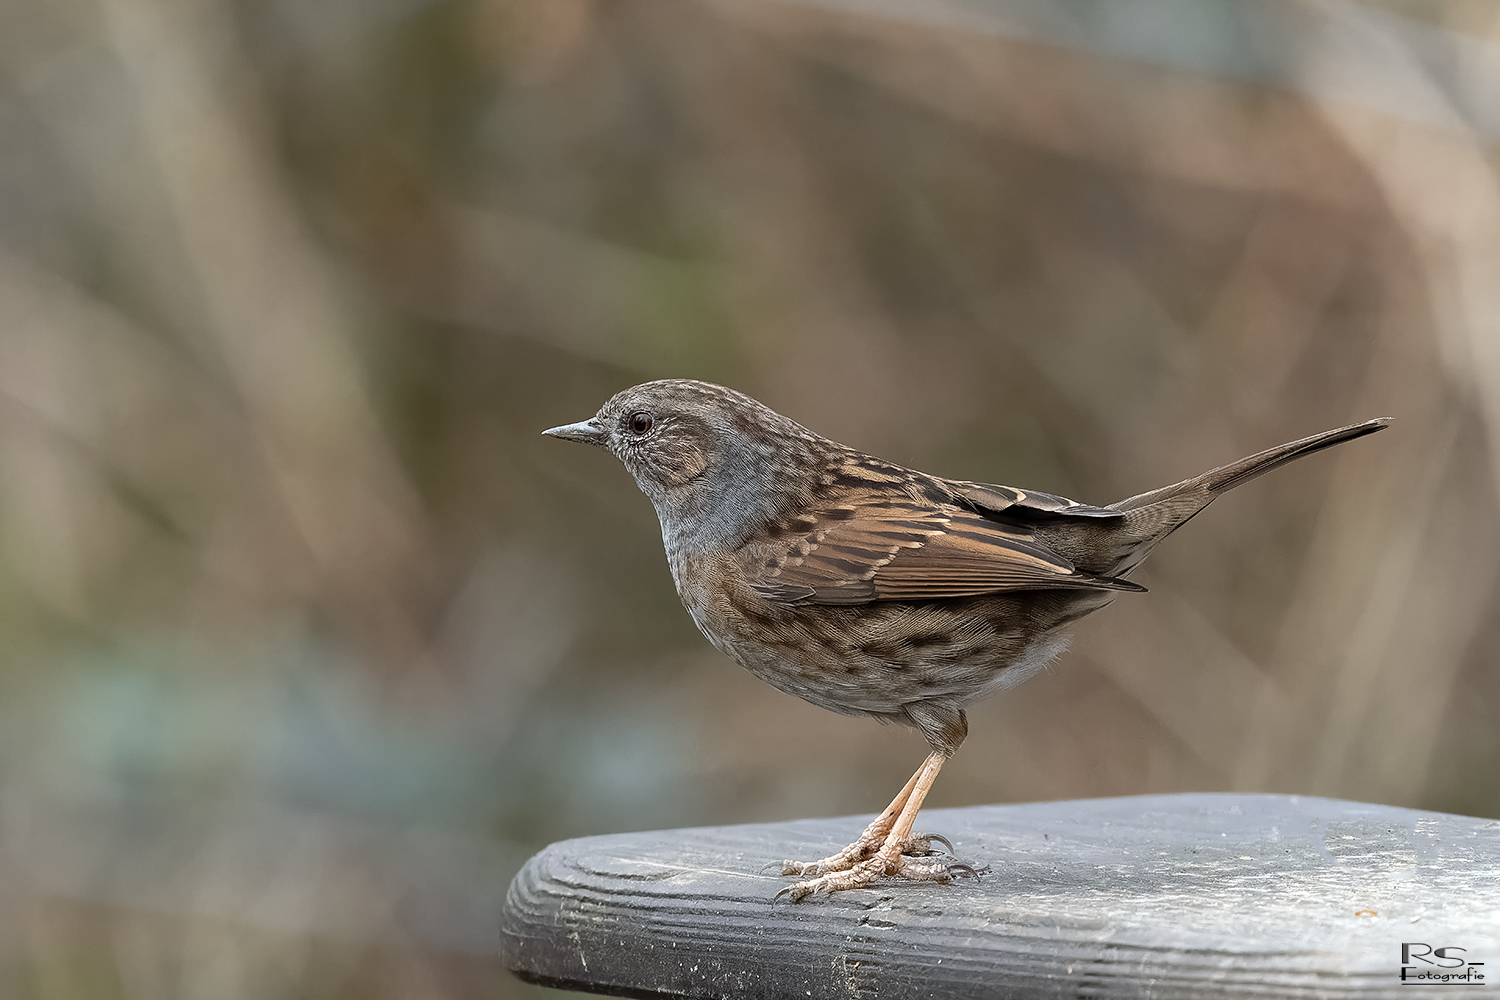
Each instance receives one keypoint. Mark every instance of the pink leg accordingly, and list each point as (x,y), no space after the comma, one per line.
(887,859)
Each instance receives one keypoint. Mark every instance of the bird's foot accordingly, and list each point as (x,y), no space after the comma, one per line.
(861,850)
(867,871)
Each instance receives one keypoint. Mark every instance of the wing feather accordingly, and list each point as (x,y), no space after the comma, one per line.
(1028,504)
(903,549)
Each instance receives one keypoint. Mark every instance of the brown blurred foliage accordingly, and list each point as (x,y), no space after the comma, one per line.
(308,638)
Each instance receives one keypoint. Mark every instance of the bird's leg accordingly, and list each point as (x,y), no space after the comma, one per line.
(868,843)
(888,858)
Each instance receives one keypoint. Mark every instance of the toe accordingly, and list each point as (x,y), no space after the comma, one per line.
(862,874)
(795,892)
(921,843)
(854,877)
(924,871)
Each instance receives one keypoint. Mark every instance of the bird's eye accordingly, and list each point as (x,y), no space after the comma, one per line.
(641,422)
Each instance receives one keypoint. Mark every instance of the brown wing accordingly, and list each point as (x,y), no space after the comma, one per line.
(1027,504)
(906,551)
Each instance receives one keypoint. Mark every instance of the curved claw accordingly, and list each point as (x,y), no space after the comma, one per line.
(966,871)
(919,844)
(789,889)
(940,839)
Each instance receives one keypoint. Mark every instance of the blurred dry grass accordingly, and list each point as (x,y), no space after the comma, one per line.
(308,638)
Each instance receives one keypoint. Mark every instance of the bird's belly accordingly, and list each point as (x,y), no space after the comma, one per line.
(877,658)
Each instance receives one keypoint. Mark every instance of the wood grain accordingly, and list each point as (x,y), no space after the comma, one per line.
(1153,896)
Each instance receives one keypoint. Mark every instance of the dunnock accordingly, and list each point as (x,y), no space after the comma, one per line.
(871,589)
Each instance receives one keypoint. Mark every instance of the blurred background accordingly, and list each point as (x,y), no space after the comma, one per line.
(308,638)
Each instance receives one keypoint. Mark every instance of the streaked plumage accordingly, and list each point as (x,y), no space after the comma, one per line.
(872,589)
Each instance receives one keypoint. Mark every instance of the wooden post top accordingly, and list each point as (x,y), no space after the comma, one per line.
(1193,895)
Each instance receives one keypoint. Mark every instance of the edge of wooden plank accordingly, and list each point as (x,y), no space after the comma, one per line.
(1167,896)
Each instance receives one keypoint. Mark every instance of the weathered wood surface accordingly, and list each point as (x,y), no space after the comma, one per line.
(1152,896)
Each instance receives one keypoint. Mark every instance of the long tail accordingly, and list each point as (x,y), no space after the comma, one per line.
(1152,516)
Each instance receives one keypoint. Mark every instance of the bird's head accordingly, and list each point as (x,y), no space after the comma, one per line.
(701,452)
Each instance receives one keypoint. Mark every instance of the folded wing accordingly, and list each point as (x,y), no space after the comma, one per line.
(895,550)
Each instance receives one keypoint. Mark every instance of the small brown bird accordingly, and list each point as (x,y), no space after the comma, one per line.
(871,589)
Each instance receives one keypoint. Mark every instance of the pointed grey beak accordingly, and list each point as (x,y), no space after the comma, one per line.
(584,432)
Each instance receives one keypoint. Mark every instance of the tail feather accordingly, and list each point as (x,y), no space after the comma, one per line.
(1150,517)
(1227,477)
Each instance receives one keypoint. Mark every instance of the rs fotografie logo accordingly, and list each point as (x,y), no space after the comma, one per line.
(1446,965)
